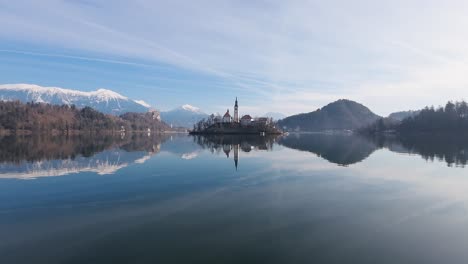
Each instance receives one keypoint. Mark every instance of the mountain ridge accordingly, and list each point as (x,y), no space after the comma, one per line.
(103,100)
(183,116)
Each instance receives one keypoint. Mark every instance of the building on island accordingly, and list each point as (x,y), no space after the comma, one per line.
(246,120)
(263,120)
(236,112)
(227,117)
(234,124)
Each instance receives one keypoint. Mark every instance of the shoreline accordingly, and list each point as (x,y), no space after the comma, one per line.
(236,133)
(79,132)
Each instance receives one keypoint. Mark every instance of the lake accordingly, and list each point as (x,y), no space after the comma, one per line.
(301,198)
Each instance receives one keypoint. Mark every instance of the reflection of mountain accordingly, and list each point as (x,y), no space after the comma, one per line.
(347,149)
(33,157)
(342,149)
(233,144)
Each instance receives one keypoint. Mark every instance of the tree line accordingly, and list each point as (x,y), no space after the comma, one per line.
(33,117)
(453,118)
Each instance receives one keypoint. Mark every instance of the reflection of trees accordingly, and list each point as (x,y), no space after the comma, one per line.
(342,149)
(345,149)
(37,148)
(218,143)
(452,149)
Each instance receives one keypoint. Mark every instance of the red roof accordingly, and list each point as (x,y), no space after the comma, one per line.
(247,117)
(227,114)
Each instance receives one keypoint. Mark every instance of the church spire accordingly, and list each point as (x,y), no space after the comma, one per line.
(236,112)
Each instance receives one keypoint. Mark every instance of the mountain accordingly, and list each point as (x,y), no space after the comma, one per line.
(403,114)
(340,115)
(275,115)
(102,100)
(183,116)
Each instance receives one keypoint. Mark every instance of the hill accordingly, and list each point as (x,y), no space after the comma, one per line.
(339,115)
(102,100)
(183,116)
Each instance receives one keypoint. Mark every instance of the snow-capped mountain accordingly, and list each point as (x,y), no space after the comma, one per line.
(103,100)
(183,116)
(275,115)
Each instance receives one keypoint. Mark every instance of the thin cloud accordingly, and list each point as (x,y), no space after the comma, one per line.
(299,53)
(77,58)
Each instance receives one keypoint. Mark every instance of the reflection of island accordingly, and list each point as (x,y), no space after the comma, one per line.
(33,157)
(235,143)
(342,149)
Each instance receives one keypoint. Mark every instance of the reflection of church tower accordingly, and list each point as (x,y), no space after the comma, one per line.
(236,154)
(236,112)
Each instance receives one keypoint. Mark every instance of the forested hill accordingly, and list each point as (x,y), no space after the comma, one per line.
(340,115)
(451,119)
(62,119)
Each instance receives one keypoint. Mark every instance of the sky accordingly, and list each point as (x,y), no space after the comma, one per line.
(275,56)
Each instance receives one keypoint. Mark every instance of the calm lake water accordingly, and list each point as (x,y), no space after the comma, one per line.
(312,198)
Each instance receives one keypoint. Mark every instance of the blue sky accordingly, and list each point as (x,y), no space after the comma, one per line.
(281,56)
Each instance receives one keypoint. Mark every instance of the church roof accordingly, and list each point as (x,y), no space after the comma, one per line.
(247,117)
(227,114)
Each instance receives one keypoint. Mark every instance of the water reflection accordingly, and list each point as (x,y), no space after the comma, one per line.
(451,149)
(177,199)
(342,149)
(33,157)
(235,144)
(347,149)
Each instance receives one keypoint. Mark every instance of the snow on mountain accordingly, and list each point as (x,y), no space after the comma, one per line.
(183,116)
(275,115)
(191,108)
(106,162)
(143,103)
(103,100)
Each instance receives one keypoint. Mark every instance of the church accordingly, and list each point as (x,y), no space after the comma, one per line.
(244,121)
(232,123)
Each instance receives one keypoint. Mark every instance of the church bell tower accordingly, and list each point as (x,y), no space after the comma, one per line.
(236,112)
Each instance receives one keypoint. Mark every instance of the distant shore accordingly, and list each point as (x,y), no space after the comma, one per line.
(19,132)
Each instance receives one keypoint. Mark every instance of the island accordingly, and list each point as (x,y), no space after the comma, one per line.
(227,124)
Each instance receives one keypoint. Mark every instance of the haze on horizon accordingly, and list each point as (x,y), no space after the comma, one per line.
(275,56)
